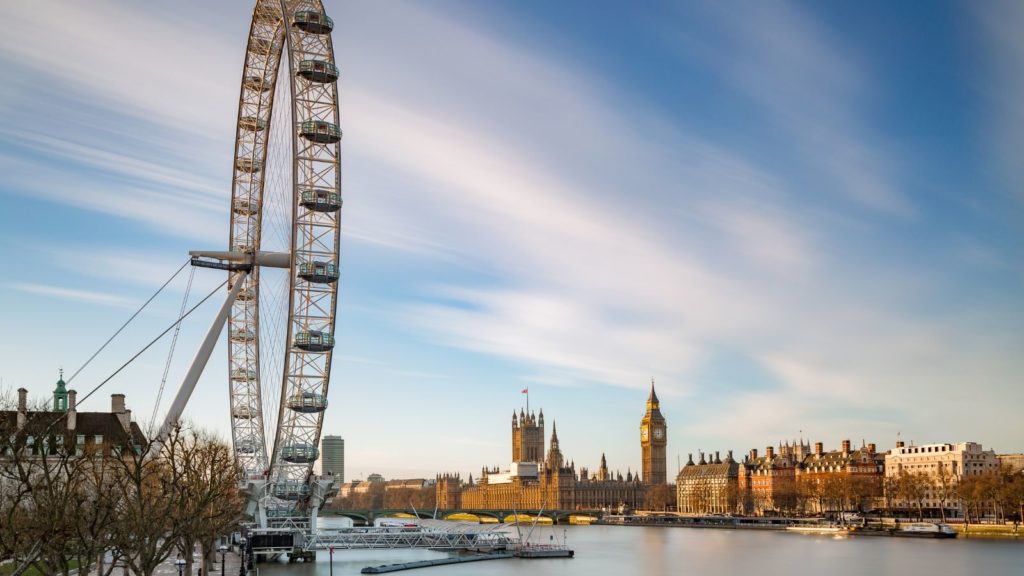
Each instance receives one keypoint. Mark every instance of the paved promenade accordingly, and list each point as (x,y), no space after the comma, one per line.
(232,562)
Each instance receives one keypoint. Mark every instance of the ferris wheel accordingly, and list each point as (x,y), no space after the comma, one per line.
(283,254)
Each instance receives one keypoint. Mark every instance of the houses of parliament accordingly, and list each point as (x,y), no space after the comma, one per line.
(537,480)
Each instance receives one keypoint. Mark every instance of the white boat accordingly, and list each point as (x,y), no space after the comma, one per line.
(926,530)
(830,529)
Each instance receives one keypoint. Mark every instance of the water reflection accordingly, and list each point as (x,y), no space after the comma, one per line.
(671,551)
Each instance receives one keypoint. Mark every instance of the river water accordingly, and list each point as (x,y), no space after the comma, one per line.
(629,550)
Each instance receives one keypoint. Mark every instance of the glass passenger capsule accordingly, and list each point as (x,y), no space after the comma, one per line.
(263,45)
(319,272)
(299,453)
(320,200)
(314,341)
(243,412)
(245,294)
(320,132)
(252,123)
(242,335)
(313,22)
(240,374)
(320,71)
(246,447)
(257,83)
(308,402)
(249,165)
(245,207)
(247,248)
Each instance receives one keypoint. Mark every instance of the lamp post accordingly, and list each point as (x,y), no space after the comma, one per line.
(332,560)
(223,550)
(180,563)
(244,553)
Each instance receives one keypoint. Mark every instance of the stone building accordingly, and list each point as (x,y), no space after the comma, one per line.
(553,482)
(710,486)
(64,427)
(528,437)
(767,483)
(942,464)
(1015,462)
(844,479)
(653,441)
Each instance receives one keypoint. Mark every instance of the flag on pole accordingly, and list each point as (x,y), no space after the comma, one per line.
(526,390)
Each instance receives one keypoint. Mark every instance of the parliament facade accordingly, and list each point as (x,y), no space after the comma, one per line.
(538,480)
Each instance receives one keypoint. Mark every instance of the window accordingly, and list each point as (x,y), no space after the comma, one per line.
(80,439)
(98,439)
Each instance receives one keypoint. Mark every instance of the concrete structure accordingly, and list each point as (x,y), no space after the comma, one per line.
(332,457)
(942,464)
(653,441)
(710,486)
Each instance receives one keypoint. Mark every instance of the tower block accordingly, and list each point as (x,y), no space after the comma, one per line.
(653,441)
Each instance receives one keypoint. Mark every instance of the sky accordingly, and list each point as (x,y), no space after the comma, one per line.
(801,219)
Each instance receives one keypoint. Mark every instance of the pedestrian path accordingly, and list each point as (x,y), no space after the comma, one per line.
(232,563)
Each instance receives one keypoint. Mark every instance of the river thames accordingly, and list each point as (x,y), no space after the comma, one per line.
(707,552)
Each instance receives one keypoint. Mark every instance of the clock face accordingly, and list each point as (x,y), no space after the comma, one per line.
(643,433)
(658,433)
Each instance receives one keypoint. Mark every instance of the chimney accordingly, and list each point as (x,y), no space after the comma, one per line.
(871,448)
(753,454)
(72,419)
(22,407)
(718,460)
(769,452)
(123,415)
(846,447)
(819,449)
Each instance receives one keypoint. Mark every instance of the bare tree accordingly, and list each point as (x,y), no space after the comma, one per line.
(212,502)
(186,495)
(944,484)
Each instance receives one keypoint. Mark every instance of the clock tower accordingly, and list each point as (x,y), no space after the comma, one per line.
(653,440)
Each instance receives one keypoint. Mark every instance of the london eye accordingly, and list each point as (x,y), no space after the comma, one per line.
(282,255)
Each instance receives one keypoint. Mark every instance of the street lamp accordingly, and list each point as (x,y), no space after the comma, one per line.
(223,550)
(180,563)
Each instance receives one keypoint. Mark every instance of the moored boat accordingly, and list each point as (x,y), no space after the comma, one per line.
(925,530)
(828,529)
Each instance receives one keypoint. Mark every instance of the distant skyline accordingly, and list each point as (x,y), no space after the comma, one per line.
(794,216)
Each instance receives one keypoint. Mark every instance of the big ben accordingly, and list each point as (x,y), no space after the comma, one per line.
(653,440)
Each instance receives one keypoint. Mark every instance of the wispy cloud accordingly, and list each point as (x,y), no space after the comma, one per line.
(1000,24)
(813,89)
(75,295)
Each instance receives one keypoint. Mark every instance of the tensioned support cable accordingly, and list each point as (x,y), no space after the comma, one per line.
(127,322)
(170,353)
(154,341)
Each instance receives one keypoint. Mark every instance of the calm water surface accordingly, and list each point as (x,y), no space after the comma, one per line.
(618,550)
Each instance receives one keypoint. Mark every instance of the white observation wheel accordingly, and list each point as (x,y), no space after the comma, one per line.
(285,213)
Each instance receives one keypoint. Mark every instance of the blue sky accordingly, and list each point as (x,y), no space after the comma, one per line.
(797,217)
